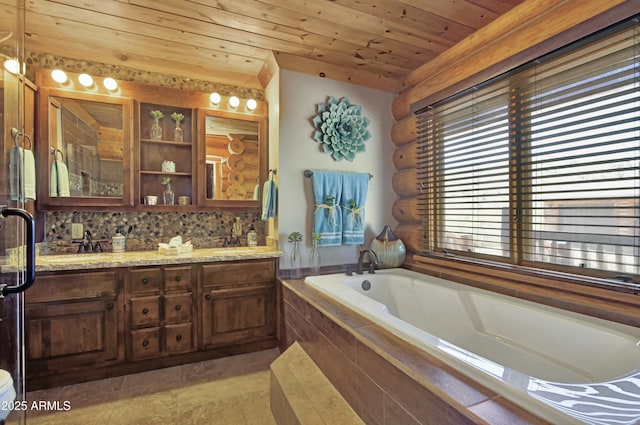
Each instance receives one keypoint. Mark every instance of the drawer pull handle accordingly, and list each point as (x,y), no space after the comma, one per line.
(145,311)
(178,278)
(178,307)
(145,343)
(178,337)
(207,297)
(110,306)
(145,281)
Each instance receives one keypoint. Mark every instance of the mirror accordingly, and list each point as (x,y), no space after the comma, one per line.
(233,157)
(88,144)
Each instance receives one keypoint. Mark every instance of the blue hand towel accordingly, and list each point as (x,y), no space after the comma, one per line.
(327,220)
(22,175)
(354,195)
(268,200)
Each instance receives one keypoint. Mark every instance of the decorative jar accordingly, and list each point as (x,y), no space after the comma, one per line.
(390,250)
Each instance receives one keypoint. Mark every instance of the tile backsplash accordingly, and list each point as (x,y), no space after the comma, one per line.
(203,229)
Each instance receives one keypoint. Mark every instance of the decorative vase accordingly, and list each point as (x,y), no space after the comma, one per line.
(156,130)
(178,134)
(314,260)
(391,251)
(168,195)
(296,261)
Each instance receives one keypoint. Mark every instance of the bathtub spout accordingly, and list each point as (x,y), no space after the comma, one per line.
(372,254)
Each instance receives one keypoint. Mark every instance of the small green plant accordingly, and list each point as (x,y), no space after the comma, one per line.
(156,114)
(177,117)
(295,237)
(165,180)
(316,237)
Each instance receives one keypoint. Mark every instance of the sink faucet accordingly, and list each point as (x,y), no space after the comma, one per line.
(373,254)
(87,243)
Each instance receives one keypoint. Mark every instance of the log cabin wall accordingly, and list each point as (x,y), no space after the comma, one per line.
(529,30)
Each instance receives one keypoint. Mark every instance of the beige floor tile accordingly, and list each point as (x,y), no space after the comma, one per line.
(219,412)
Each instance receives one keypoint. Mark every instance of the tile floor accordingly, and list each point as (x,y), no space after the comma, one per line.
(227,391)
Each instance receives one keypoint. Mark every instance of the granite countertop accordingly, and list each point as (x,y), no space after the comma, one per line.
(149,258)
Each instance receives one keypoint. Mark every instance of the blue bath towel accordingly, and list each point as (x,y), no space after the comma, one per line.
(327,219)
(354,195)
(268,200)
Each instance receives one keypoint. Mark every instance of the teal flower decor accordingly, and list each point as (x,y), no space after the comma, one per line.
(341,130)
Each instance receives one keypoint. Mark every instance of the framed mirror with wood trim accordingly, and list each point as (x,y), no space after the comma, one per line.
(84,152)
(232,158)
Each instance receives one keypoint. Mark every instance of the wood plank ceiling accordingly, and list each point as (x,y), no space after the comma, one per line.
(368,42)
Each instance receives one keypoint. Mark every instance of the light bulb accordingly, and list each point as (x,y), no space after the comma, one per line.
(252,104)
(110,84)
(234,101)
(214,98)
(12,65)
(59,76)
(85,79)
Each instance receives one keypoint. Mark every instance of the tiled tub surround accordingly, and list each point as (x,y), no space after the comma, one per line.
(203,229)
(512,346)
(386,380)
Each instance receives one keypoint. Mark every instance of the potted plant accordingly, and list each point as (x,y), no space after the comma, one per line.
(178,133)
(168,194)
(296,256)
(156,129)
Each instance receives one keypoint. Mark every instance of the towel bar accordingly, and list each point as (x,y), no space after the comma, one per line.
(54,151)
(309,173)
(15,134)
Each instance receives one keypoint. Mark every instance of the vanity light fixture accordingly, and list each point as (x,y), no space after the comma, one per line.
(252,104)
(59,76)
(234,101)
(85,79)
(215,98)
(110,84)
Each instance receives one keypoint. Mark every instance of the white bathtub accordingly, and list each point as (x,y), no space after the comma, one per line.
(563,366)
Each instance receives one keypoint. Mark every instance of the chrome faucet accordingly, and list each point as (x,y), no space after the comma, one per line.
(373,254)
(86,245)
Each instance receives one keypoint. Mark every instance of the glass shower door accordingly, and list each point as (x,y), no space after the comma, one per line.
(16,224)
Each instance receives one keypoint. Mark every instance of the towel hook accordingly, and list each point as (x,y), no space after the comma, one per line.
(15,134)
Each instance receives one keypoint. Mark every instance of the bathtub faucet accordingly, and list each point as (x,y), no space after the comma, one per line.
(372,254)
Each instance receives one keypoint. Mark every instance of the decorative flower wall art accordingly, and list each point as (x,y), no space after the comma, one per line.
(341,129)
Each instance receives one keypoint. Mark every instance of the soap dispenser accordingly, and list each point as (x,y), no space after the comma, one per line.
(118,242)
(252,237)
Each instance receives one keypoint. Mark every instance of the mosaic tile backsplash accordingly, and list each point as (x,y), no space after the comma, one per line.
(203,229)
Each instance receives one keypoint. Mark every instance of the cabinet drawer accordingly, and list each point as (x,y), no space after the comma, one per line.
(178,338)
(241,272)
(177,279)
(145,311)
(145,343)
(177,308)
(145,280)
(73,286)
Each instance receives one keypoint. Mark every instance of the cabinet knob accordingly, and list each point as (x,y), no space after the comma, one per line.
(145,310)
(145,343)
(145,280)
(109,306)
(178,278)
(178,307)
(207,297)
(178,337)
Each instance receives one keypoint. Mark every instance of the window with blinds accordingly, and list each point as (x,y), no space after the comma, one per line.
(541,166)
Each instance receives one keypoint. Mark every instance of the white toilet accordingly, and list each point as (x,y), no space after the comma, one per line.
(7,394)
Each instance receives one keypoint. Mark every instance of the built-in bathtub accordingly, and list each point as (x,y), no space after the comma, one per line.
(565,367)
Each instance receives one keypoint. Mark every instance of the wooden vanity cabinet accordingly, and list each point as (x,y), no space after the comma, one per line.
(237,302)
(72,321)
(160,311)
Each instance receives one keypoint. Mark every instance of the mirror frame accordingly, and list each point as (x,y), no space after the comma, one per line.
(263,152)
(47,202)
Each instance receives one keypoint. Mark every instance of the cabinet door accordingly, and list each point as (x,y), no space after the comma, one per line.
(65,336)
(178,338)
(239,314)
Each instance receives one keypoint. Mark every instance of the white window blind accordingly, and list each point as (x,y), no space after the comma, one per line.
(542,165)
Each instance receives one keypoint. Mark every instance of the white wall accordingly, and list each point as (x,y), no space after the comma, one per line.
(299,94)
